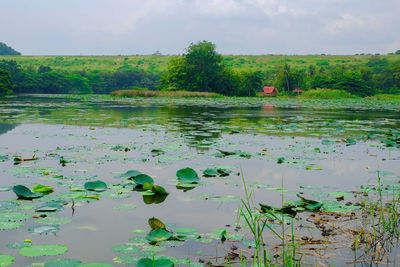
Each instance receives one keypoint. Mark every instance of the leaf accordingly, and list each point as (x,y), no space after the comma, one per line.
(45,189)
(24,192)
(310,167)
(210,173)
(142,178)
(130,174)
(159,190)
(154,198)
(42,250)
(6,260)
(187,175)
(155,223)
(10,225)
(158,235)
(284,210)
(43,229)
(162,262)
(350,142)
(62,263)
(95,264)
(98,186)
(14,216)
(281,160)
(126,249)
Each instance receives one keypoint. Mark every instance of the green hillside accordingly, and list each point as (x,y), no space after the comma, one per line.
(157,64)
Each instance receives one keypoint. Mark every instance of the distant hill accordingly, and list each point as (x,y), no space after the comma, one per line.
(6,50)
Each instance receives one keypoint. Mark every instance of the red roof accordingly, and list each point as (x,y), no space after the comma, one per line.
(270,90)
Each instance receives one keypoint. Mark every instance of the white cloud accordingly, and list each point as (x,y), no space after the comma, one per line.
(349,22)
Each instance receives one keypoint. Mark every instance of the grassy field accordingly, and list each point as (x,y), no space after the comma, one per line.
(157,64)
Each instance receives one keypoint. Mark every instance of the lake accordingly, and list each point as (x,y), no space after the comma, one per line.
(331,152)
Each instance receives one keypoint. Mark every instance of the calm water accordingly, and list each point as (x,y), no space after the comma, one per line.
(102,139)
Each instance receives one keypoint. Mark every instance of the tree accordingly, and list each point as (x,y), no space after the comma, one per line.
(397,52)
(6,50)
(287,79)
(5,83)
(203,67)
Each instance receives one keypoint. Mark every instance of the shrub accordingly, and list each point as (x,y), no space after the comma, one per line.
(323,93)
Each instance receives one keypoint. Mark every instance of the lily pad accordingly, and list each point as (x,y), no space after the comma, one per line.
(126,249)
(95,264)
(142,178)
(10,225)
(18,245)
(158,235)
(43,229)
(162,262)
(62,263)
(187,175)
(6,260)
(98,186)
(24,192)
(14,216)
(130,174)
(155,223)
(45,189)
(54,220)
(42,250)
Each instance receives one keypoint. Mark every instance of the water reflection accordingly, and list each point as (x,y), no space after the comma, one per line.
(5,127)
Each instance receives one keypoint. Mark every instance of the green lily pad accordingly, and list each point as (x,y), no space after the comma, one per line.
(162,262)
(130,174)
(6,260)
(155,223)
(43,229)
(187,175)
(24,192)
(14,216)
(5,188)
(54,220)
(210,173)
(126,249)
(142,178)
(19,245)
(158,235)
(125,207)
(42,250)
(125,259)
(95,264)
(10,225)
(98,186)
(62,263)
(45,189)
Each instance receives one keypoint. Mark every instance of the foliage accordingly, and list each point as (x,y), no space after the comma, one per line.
(140,93)
(5,82)
(202,69)
(322,93)
(6,50)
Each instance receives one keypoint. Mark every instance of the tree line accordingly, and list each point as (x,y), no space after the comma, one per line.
(202,69)
(45,80)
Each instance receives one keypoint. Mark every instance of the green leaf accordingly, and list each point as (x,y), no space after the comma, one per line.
(42,250)
(210,173)
(10,225)
(62,263)
(159,190)
(187,175)
(126,249)
(45,189)
(98,186)
(6,260)
(24,192)
(95,264)
(155,223)
(281,160)
(130,174)
(162,262)
(142,178)
(43,229)
(158,235)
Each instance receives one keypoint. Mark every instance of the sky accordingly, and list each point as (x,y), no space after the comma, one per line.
(239,27)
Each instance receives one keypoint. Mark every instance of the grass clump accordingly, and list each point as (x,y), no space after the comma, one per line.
(144,93)
(386,97)
(323,93)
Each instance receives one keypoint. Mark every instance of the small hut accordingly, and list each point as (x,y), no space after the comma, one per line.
(270,91)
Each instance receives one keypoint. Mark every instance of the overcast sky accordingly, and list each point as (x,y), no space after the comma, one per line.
(128,27)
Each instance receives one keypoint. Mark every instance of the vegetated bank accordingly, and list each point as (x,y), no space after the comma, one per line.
(202,69)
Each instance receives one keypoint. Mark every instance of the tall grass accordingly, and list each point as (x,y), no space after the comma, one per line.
(323,93)
(143,93)
(386,97)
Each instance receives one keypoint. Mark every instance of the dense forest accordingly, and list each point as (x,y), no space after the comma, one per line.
(201,68)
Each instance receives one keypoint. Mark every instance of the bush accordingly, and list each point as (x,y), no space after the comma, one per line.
(323,93)
(384,97)
(141,93)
